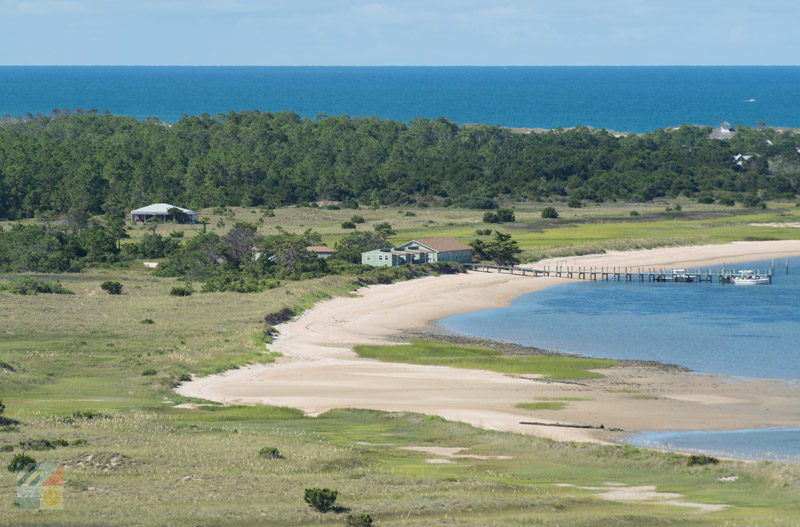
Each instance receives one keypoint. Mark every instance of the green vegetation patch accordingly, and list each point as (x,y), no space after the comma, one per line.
(543,405)
(480,358)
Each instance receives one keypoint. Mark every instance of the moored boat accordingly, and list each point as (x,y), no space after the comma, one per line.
(748,277)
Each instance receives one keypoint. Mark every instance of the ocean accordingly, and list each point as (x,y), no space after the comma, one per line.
(748,332)
(635,99)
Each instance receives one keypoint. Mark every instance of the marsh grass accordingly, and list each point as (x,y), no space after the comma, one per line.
(542,405)
(480,358)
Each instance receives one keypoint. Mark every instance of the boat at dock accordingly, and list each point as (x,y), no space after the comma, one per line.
(747,277)
(677,275)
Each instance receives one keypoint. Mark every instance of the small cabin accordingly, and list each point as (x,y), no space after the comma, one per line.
(420,251)
(164,212)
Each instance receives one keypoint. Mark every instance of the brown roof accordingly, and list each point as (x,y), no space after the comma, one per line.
(443,244)
(319,249)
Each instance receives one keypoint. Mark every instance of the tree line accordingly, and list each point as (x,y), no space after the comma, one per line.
(102,163)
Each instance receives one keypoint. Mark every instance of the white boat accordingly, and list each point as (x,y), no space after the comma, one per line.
(748,277)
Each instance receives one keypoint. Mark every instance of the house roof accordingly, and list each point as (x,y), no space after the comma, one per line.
(160,209)
(319,249)
(442,244)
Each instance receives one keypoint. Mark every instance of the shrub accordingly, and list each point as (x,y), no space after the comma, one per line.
(409,213)
(384,228)
(634,213)
(700,459)
(549,213)
(269,452)
(181,290)
(728,202)
(147,321)
(348,225)
(149,372)
(357,219)
(33,286)
(321,500)
(358,520)
(185,377)
(7,448)
(706,199)
(20,461)
(112,288)
(499,216)
(574,203)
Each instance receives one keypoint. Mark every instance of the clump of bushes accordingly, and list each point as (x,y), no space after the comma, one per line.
(634,213)
(42,444)
(549,213)
(321,500)
(112,288)
(348,225)
(358,520)
(34,286)
(181,290)
(357,219)
(83,415)
(147,321)
(20,461)
(499,216)
(701,459)
(149,372)
(574,203)
(269,452)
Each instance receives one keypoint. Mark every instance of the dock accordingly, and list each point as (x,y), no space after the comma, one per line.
(614,274)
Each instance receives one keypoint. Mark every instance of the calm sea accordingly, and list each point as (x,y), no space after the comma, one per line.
(634,99)
(750,332)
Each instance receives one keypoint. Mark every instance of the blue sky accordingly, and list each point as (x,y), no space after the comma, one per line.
(400,32)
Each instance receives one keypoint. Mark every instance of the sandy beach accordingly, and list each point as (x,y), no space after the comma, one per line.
(319,371)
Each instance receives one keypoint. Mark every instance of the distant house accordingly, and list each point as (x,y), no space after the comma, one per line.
(420,251)
(321,251)
(725,131)
(741,159)
(161,212)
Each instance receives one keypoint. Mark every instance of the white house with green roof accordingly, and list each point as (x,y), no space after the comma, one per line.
(423,250)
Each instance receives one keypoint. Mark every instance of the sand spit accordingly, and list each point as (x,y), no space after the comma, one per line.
(319,371)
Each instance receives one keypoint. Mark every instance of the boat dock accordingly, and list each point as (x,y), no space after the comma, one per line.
(615,274)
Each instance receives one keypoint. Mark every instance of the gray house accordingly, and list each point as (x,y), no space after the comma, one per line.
(419,251)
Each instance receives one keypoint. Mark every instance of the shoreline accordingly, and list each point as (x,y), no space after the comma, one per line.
(319,372)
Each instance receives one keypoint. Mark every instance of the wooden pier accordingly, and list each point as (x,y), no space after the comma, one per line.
(613,274)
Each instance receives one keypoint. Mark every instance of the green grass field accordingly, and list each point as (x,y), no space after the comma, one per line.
(200,466)
(434,353)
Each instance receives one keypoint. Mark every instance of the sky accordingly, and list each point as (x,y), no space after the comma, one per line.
(399,32)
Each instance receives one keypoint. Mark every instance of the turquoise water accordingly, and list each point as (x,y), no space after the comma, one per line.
(622,98)
(750,332)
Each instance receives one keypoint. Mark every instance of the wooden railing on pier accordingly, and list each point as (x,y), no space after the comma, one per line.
(611,274)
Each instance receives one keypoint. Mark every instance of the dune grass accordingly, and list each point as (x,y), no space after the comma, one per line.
(435,353)
(542,405)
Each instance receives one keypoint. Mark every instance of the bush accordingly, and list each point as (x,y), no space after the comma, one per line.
(728,202)
(357,219)
(700,459)
(147,321)
(706,199)
(348,225)
(384,228)
(358,520)
(483,232)
(549,213)
(112,288)
(33,286)
(149,372)
(321,500)
(7,448)
(574,203)
(20,461)
(409,213)
(269,452)
(634,213)
(499,216)
(181,290)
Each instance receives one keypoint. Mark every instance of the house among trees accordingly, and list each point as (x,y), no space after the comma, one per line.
(321,251)
(725,131)
(164,212)
(424,250)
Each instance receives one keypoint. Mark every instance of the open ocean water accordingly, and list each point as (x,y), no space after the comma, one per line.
(748,332)
(635,99)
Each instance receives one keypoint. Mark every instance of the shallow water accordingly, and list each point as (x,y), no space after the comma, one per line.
(750,332)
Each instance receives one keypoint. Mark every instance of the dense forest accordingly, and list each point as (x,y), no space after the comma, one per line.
(105,163)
